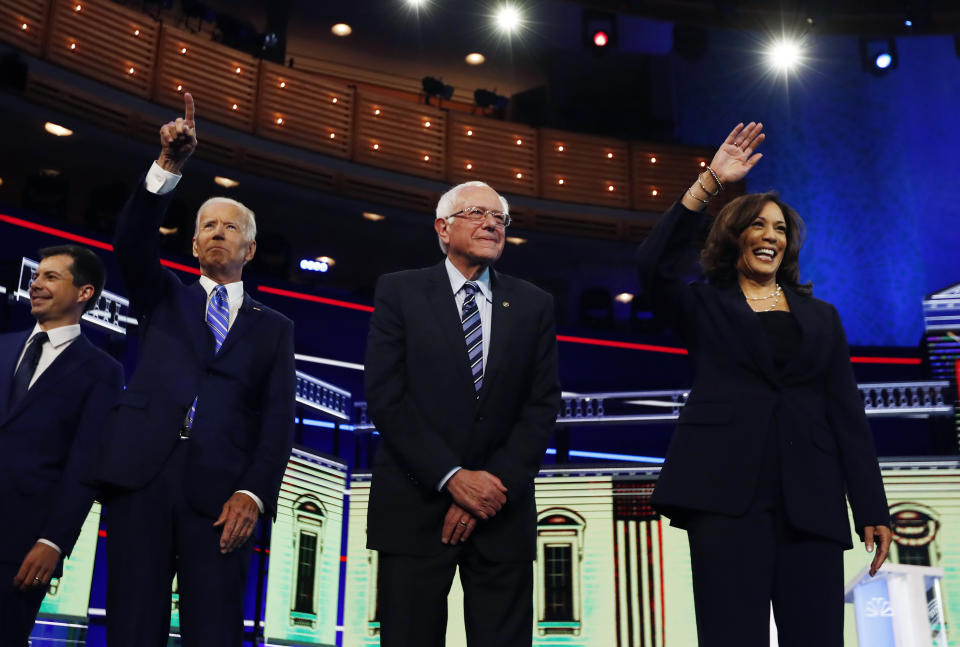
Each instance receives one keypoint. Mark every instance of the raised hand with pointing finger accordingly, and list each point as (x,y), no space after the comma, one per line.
(178,139)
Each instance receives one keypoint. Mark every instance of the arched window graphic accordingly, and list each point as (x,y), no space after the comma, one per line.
(308,517)
(915,540)
(558,571)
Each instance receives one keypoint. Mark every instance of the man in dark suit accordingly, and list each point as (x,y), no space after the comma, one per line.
(55,390)
(461,382)
(196,449)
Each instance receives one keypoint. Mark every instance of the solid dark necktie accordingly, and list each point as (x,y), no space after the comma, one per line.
(473,333)
(28,366)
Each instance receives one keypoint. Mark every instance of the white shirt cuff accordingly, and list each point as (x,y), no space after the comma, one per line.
(443,481)
(50,544)
(159,180)
(253,496)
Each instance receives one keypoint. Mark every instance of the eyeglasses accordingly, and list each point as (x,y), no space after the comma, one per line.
(479,214)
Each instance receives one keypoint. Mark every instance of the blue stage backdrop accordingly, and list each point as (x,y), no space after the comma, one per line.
(869,162)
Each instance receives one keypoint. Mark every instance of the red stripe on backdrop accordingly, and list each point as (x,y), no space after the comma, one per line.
(622,344)
(314,298)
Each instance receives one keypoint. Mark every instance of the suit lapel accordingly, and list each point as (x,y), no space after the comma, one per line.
(246,317)
(201,339)
(807,319)
(9,355)
(62,367)
(501,322)
(749,330)
(443,310)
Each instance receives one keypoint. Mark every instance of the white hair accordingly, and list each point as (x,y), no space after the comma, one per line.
(249,229)
(447,202)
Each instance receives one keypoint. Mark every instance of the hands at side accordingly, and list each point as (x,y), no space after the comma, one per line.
(871,535)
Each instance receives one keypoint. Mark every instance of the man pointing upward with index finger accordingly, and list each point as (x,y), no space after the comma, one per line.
(196,448)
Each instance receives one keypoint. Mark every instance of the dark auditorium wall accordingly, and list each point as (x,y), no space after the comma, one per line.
(869,162)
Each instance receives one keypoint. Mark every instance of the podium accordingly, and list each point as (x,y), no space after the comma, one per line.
(901,606)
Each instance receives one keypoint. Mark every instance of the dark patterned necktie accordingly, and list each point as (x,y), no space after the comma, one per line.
(218,319)
(473,333)
(28,366)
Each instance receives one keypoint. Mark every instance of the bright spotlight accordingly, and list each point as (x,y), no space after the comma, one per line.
(784,55)
(883,60)
(508,18)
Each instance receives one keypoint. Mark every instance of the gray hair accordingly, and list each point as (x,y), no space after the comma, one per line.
(249,229)
(445,206)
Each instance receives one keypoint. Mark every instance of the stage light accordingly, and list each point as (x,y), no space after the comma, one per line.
(341,29)
(373,217)
(57,129)
(516,240)
(433,87)
(319,264)
(487,99)
(599,30)
(878,55)
(908,23)
(416,3)
(475,58)
(784,55)
(508,19)
(624,297)
(225,182)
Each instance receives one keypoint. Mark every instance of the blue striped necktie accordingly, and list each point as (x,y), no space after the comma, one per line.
(218,319)
(473,333)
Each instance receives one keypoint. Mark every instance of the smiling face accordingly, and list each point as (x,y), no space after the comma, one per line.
(220,242)
(54,299)
(473,243)
(762,245)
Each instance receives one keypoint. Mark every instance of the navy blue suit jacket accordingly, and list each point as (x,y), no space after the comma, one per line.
(47,443)
(739,401)
(421,397)
(243,427)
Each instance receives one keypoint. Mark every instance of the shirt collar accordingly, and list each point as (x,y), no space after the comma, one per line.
(234,290)
(457,280)
(57,336)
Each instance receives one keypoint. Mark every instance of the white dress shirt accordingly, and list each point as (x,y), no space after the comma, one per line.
(484,306)
(160,181)
(58,339)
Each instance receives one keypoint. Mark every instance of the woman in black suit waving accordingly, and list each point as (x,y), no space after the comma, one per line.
(773,436)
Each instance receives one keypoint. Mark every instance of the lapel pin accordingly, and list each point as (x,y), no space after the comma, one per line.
(506,304)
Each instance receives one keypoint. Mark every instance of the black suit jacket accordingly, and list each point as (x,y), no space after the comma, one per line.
(421,397)
(243,427)
(738,401)
(47,442)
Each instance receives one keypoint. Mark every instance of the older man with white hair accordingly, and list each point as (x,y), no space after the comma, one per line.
(195,450)
(461,383)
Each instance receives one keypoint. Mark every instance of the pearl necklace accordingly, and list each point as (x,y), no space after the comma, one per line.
(775,295)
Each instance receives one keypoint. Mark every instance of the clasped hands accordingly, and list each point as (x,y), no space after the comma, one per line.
(477,494)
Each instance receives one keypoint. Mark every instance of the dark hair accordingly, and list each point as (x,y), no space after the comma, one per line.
(722,248)
(87,268)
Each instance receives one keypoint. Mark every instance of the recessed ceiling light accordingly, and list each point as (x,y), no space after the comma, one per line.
(57,129)
(475,58)
(624,297)
(341,29)
(373,217)
(507,18)
(225,182)
(516,240)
